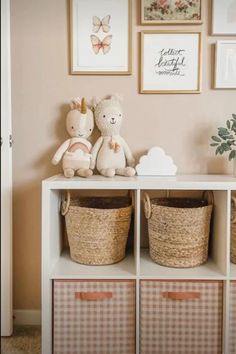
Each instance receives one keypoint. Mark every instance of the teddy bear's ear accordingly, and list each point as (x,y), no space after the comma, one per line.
(75,103)
(117,97)
(94,102)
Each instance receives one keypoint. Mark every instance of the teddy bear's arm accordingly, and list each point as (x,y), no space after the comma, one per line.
(95,151)
(128,154)
(62,149)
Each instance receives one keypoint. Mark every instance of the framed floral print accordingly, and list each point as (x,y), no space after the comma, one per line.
(170,62)
(100,37)
(165,12)
(225,65)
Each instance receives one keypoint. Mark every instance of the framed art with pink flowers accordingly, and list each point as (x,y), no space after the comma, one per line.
(100,37)
(165,12)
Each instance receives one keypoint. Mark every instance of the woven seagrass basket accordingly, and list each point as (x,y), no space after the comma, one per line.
(97,228)
(178,230)
(233,230)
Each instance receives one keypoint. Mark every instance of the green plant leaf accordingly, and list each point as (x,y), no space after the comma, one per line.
(234,116)
(222,150)
(214,144)
(232,155)
(218,150)
(228,124)
(226,147)
(215,138)
(230,142)
(223,130)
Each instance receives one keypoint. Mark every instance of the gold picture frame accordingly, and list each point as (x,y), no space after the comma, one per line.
(223,21)
(99,52)
(161,14)
(225,62)
(166,68)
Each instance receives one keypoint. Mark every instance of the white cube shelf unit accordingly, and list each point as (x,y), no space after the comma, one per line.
(57,265)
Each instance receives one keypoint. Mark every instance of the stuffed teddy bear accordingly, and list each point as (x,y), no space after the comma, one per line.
(75,152)
(111,154)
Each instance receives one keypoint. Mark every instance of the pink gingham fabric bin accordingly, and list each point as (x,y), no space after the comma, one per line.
(232,337)
(93,317)
(181,317)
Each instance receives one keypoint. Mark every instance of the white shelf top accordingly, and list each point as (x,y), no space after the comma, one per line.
(151,270)
(65,268)
(194,182)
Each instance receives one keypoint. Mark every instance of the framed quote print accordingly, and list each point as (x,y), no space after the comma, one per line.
(225,64)
(170,62)
(100,37)
(166,12)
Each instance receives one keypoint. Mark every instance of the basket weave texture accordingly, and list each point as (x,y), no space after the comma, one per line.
(97,229)
(233,231)
(178,231)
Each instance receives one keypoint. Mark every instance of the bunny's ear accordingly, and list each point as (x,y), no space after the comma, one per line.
(94,102)
(75,103)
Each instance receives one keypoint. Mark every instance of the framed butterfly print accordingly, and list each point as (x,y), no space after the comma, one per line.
(100,37)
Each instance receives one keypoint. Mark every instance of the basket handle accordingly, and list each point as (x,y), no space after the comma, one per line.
(131,195)
(147,206)
(188,295)
(209,196)
(93,296)
(65,204)
(233,199)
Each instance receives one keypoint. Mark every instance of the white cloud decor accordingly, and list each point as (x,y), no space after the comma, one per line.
(156,163)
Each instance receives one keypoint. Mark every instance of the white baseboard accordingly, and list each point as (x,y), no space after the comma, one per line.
(27,317)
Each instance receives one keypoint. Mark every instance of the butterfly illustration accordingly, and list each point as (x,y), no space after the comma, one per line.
(97,44)
(104,24)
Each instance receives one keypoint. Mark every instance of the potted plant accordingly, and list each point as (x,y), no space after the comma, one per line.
(225,141)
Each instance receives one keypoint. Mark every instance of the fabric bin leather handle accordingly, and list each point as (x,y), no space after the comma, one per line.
(181,295)
(93,296)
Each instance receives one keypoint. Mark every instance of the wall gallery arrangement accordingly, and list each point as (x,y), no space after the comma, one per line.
(170,61)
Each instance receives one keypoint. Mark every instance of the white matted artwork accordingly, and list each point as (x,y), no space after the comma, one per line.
(170,62)
(225,65)
(100,37)
(156,163)
(224,17)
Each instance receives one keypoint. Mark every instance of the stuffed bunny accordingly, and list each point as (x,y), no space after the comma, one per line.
(111,154)
(76,151)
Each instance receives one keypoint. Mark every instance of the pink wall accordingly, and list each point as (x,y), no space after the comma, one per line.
(42,87)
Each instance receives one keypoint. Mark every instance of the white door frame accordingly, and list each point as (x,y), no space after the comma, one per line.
(6,175)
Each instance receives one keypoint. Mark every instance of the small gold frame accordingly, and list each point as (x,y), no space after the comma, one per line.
(199,75)
(171,22)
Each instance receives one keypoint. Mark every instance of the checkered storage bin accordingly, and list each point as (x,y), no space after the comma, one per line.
(233,317)
(94,317)
(181,317)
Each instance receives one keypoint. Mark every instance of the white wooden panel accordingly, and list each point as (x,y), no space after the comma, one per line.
(151,270)
(220,237)
(6,175)
(185,182)
(46,291)
(65,268)
(137,232)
